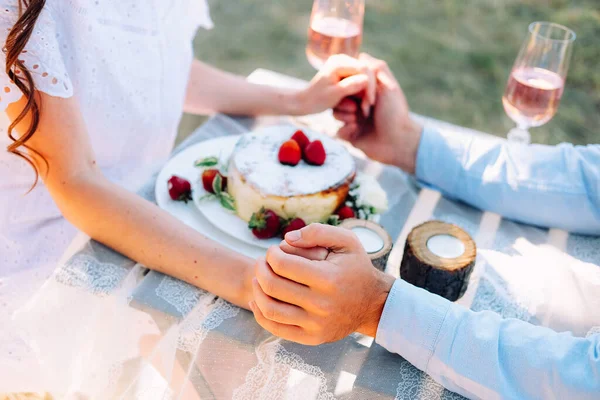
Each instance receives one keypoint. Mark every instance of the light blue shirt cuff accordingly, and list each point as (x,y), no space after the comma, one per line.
(411,322)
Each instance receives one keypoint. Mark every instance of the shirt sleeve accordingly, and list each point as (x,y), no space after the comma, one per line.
(482,356)
(42,56)
(550,186)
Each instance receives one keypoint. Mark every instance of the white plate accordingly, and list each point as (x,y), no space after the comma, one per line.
(217,228)
(220,217)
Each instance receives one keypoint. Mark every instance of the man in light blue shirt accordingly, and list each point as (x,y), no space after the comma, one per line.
(319,286)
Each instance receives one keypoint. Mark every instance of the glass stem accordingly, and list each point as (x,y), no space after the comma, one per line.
(519,134)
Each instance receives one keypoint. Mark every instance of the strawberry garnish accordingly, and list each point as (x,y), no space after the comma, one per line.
(290,153)
(314,153)
(345,212)
(265,224)
(301,139)
(179,189)
(208,177)
(293,225)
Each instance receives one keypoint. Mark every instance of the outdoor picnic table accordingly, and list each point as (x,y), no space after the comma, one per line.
(107,327)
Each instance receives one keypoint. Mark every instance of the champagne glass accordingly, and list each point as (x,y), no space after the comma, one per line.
(335,28)
(537,79)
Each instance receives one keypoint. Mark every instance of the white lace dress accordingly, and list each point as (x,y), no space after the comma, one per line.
(126,62)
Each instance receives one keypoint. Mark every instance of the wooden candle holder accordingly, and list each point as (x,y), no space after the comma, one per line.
(447,277)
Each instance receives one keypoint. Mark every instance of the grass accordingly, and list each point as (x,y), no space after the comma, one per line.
(452,57)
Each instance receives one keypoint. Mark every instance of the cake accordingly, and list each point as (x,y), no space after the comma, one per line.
(256,178)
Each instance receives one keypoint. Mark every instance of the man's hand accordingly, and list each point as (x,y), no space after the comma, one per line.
(389,135)
(340,77)
(319,286)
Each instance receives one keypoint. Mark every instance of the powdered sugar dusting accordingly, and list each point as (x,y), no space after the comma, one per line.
(255,157)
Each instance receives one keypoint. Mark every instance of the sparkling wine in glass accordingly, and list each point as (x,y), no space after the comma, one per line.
(537,79)
(335,28)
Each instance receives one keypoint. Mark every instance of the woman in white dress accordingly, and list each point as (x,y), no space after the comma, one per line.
(94,91)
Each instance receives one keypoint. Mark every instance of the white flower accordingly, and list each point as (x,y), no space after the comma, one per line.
(361,214)
(370,193)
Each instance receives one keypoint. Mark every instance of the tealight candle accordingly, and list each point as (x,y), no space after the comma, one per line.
(446,246)
(369,239)
(374,239)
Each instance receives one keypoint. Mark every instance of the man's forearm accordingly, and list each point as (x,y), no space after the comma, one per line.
(481,355)
(212,90)
(550,186)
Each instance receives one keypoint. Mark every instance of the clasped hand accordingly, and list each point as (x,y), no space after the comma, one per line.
(318,286)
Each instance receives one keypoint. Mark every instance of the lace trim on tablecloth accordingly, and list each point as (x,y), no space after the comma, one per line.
(195,327)
(594,331)
(85,272)
(201,310)
(271,379)
(415,384)
(179,294)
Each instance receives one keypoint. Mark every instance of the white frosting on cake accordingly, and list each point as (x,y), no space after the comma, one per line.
(255,157)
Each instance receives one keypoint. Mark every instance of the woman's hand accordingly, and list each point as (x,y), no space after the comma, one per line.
(341,76)
(389,135)
(213,90)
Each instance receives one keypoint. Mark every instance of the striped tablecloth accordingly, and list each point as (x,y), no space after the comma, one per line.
(105,327)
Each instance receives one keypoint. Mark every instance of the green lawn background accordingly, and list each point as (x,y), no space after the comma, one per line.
(452,57)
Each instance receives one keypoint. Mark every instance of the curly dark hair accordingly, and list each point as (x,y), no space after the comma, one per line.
(29,11)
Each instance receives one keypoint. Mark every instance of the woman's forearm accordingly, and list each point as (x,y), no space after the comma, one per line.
(121,219)
(152,237)
(212,90)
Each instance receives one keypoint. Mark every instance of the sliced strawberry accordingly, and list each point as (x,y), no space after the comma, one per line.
(265,224)
(345,212)
(314,153)
(179,189)
(290,153)
(293,225)
(208,177)
(301,139)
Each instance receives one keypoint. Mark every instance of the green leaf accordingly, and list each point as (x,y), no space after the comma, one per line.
(208,196)
(227,201)
(217,184)
(207,162)
(283,222)
(333,220)
(257,220)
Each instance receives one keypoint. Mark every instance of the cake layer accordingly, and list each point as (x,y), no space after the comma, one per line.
(255,158)
(311,208)
(257,179)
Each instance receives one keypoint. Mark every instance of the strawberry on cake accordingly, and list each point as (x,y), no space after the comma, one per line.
(295,174)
